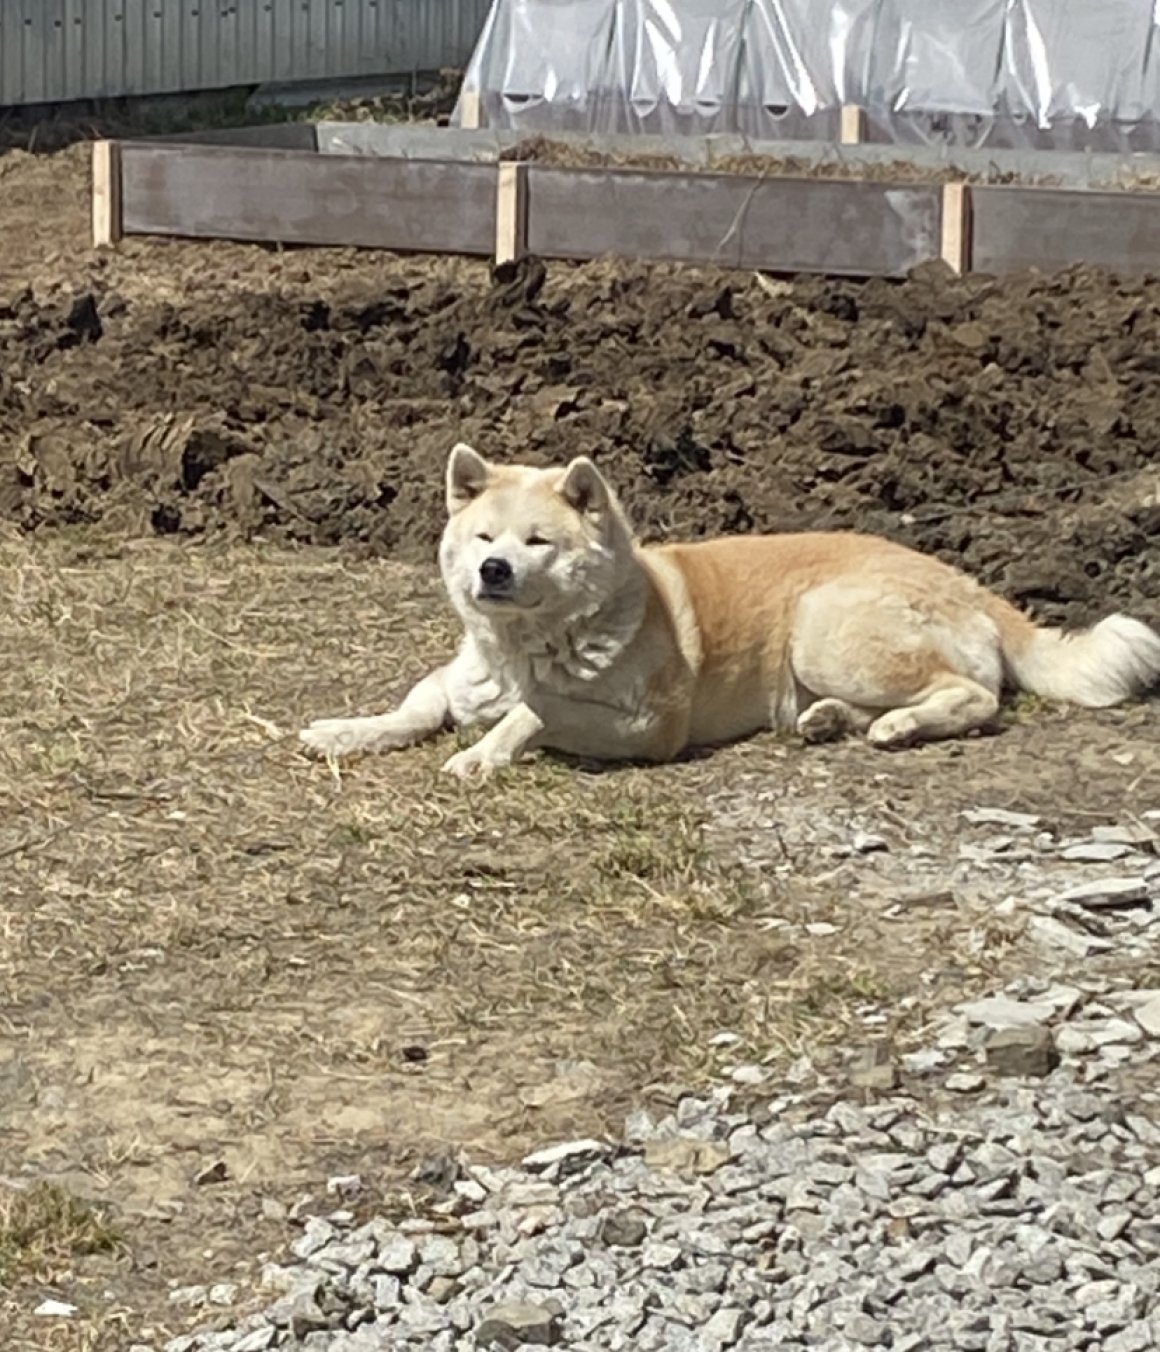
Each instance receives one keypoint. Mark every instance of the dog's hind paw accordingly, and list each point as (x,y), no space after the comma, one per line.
(824,721)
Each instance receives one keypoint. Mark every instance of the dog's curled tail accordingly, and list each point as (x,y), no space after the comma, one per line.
(1113,660)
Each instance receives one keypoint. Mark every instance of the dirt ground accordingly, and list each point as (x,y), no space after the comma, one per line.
(228,975)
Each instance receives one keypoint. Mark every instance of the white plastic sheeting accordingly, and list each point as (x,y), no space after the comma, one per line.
(1080,74)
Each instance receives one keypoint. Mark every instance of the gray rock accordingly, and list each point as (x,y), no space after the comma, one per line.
(1027,1050)
(1055,934)
(344,1185)
(1113,1225)
(661,1257)
(998,1011)
(317,1234)
(1134,1337)
(624,1229)
(1090,1034)
(998,816)
(725,1328)
(750,1074)
(257,1340)
(441,1255)
(1045,1269)
(1145,1235)
(349,1254)
(1108,1316)
(301,1314)
(911,1266)
(1148,1016)
(1131,834)
(569,1158)
(866,842)
(399,1256)
(519,1323)
(388,1291)
(1106,892)
(875,1069)
(867,1332)
(188,1297)
(945,1156)
(1096,851)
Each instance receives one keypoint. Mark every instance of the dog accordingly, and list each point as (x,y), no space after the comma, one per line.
(579,640)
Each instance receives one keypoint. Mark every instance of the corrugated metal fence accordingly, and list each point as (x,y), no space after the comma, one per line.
(56,50)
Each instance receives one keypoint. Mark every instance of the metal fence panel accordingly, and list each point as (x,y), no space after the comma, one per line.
(55,50)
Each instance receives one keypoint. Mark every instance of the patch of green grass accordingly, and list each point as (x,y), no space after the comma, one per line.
(353,833)
(656,844)
(835,991)
(1023,708)
(44,1227)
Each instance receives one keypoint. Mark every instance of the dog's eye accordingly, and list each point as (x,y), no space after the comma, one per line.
(487,539)
(534,540)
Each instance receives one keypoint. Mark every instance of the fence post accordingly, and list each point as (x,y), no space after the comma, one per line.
(956,226)
(851,125)
(470,110)
(511,211)
(107,222)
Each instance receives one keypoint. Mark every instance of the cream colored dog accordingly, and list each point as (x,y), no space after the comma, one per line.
(580,640)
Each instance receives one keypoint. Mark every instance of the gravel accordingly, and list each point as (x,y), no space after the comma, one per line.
(996,1188)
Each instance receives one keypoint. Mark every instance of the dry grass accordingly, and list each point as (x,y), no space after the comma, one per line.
(43,1228)
(45,1233)
(214,949)
(152,717)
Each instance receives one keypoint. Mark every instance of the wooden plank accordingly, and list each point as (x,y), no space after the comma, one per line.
(956,226)
(778,224)
(851,125)
(1051,228)
(295,197)
(107,198)
(511,211)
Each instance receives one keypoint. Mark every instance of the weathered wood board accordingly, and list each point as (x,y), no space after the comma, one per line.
(297,197)
(778,224)
(1052,228)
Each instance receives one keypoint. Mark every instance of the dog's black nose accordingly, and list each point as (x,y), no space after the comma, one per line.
(496,573)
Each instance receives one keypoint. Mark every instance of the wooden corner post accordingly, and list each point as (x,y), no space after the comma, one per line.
(511,211)
(106,193)
(470,110)
(851,125)
(956,226)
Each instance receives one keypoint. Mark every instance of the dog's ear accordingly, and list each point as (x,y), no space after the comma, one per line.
(585,488)
(467,475)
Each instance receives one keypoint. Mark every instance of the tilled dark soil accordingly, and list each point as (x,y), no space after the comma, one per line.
(1011,426)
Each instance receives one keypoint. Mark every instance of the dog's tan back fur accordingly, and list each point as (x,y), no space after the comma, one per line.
(578,639)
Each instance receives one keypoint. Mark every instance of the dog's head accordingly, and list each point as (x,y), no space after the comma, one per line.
(522,541)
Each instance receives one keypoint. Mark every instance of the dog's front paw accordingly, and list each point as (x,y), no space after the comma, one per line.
(334,737)
(472,763)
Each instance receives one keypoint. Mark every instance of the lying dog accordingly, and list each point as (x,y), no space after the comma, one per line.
(579,640)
